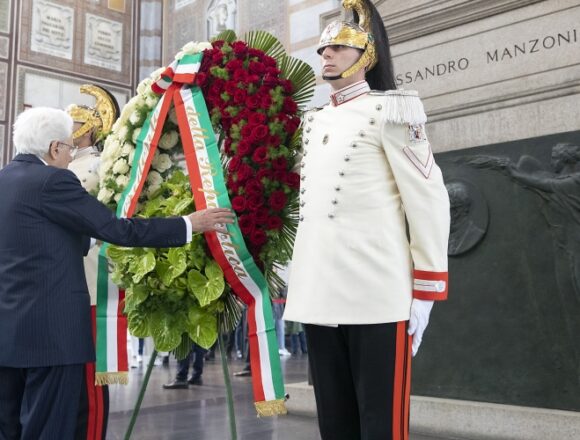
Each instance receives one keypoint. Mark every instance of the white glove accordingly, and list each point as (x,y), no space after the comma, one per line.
(420,310)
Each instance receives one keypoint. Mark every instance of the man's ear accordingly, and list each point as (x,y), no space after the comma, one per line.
(52,150)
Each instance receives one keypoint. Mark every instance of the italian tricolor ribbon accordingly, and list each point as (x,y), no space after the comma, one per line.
(209,191)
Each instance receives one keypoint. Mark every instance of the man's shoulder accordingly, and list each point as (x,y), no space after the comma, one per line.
(399,106)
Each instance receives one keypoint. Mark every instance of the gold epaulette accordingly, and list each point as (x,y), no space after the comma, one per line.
(401,106)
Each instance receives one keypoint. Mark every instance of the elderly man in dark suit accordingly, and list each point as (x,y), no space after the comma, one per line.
(45,325)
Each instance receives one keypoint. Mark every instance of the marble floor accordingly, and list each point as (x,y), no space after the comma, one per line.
(200,412)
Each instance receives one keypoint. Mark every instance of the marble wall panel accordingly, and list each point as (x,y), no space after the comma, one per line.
(52,29)
(103,43)
(5,16)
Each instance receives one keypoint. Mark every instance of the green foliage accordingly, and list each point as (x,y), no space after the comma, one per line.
(172,294)
(228,36)
(265,42)
(302,77)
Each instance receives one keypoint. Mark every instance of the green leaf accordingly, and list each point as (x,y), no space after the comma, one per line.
(302,77)
(152,207)
(228,36)
(141,266)
(120,255)
(206,288)
(266,42)
(202,327)
(138,324)
(184,206)
(135,295)
(165,334)
(184,347)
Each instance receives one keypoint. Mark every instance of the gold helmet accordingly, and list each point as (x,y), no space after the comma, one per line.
(100,118)
(356,35)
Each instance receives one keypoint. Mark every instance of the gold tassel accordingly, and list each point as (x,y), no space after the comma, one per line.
(268,408)
(121,377)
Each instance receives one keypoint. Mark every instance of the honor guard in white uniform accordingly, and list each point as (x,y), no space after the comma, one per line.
(91,125)
(370,256)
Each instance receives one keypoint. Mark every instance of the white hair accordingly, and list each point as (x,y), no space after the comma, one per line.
(37,127)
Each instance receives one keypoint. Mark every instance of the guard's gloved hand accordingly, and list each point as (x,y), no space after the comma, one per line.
(420,310)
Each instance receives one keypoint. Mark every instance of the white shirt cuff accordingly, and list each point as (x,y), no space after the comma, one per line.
(92,243)
(188,228)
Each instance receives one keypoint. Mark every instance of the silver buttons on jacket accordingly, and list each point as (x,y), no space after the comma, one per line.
(330,215)
(302,203)
(372,121)
(361,133)
(379,107)
(301,218)
(325,139)
(310,118)
(346,157)
(306,141)
(337,188)
(334,201)
(303,190)
(308,129)
(354,145)
(341,173)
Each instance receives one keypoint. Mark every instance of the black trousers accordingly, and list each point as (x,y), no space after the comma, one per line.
(362,380)
(39,403)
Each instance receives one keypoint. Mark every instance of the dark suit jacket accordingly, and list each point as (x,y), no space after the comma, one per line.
(45,217)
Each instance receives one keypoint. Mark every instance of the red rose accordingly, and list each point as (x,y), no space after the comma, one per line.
(256,68)
(274,223)
(252,102)
(218,44)
(280,175)
(234,65)
(265,101)
(269,61)
(254,186)
(201,79)
(287,85)
(293,180)
(240,75)
(274,140)
(244,147)
(247,130)
(255,53)
(239,203)
(280,163)
(273,71)
(258,237)
(255,201)
(260,132)
(240,48)
(271,81)
(261,216)
(277,200)
(231,87)
(247,224)
(227,145)
(253,78)
(289,105)
(292,125)
(245,172)
(240,96)
(260,155)
(264,174)
(217,58)
(235,163)
(257,118)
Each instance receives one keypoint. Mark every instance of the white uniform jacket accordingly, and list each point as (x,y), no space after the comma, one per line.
(367,172)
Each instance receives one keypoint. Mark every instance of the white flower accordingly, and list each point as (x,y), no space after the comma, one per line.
(127,148)
(131,156)
(136,133)
(117,197)
(106,165)
(136,118)
(173,115)
(122,133)
(144,86)
(121,167)
(168,140)
(105,195)
(162,163)
(151,101)
(122,181)
(151,190)
(112,148)
(154,178)
(204,45)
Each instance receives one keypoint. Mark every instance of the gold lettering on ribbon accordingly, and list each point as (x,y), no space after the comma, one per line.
(211,195)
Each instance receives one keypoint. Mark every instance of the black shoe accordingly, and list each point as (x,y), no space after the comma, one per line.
(244,373)
(195,381)
(165,360)
(176,385)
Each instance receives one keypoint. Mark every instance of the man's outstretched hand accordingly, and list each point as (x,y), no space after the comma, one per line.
(211,219)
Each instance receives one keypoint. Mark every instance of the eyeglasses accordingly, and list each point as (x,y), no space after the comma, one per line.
(71,148)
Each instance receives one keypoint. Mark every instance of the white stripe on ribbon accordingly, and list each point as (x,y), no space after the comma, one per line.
(187,68)
(429,285)
(112,312)
(225,242)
